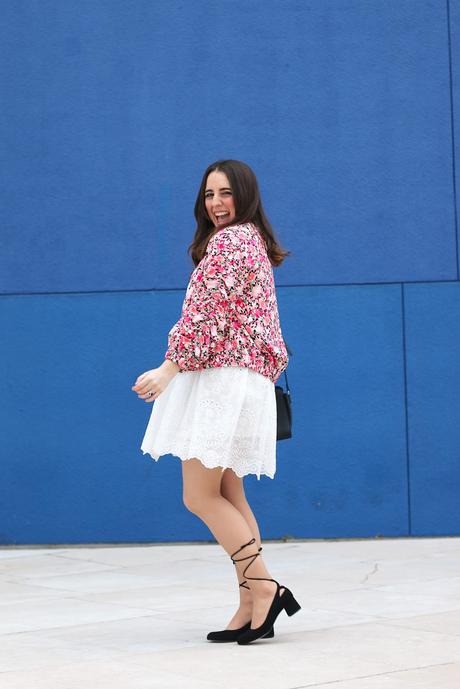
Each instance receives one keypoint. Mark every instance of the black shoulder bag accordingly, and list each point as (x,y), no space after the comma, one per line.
(283,408)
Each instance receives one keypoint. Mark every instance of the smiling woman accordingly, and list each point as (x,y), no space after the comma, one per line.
(215,404)
(234,185)
(219,198)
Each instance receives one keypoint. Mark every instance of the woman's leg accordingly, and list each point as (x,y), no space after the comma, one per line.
(202,496)
(232,488)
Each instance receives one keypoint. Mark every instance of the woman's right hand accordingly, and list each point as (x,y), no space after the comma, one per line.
(151,384)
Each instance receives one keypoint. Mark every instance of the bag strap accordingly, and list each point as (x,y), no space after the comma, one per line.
(287,384)
(287,347)
(285,374)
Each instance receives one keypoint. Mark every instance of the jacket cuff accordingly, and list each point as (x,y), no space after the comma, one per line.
(173,356)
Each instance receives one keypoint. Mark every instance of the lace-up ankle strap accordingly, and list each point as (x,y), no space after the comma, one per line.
(243,583)
(253,556)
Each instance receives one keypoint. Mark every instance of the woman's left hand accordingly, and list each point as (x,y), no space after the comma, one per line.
(151,384)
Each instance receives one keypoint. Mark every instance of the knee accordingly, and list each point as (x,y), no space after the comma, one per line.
(193,502)
(234,493)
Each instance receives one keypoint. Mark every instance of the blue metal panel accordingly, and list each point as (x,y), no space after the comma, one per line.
(112,110)
(433,375)
(110,114)
(73,470)
(344,472)
(454,42)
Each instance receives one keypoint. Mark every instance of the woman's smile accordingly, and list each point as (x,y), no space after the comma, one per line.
(221,216)
(218,198)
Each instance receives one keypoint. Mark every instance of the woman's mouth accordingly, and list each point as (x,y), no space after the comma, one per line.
(221,217)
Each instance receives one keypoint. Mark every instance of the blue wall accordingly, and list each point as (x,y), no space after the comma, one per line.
(349,113)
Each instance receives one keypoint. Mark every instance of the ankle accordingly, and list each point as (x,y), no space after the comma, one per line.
(262,589)
(246,602)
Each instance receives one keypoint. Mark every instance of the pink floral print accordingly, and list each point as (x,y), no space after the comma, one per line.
(230,313)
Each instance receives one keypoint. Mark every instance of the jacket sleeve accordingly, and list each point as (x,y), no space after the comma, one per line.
(215,288)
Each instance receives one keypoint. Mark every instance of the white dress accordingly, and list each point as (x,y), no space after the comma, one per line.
(225,417)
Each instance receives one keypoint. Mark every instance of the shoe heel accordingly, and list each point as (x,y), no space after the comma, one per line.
(291,605)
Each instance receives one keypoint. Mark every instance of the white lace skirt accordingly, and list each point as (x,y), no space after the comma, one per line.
(225,417)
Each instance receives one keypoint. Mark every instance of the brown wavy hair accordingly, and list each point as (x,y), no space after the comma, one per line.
(248,208)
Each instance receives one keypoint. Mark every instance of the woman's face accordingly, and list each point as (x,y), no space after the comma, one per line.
(218,198)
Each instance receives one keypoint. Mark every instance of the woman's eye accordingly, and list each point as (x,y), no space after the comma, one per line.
(209,194)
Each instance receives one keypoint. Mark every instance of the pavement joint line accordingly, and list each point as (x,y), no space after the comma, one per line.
(378,674)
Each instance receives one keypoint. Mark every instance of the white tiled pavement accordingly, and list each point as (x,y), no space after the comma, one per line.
(376,614)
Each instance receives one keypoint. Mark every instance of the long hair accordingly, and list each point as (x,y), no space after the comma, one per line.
(248,208)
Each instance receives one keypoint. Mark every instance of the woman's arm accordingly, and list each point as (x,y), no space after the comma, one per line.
(210,301)
(151,384)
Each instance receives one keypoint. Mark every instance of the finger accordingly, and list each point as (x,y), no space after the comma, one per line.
(144,387)
(154,396)
(147,395)
(140,381)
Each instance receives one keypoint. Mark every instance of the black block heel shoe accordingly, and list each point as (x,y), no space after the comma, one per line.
(232,634)
(281,601)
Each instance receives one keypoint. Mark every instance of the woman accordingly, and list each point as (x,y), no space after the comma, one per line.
(219,414)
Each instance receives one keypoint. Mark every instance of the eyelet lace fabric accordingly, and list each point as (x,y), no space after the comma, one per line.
(225,417)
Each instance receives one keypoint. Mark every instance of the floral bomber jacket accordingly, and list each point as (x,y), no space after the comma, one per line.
(230,313)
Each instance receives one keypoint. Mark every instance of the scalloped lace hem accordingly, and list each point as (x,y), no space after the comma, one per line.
(211,463)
